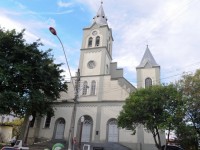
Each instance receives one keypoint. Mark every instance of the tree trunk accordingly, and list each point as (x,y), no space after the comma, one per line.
(24,128)
(156,137)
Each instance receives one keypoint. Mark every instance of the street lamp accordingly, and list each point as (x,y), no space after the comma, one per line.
(53,31)
(71,130)
(30,118)
(81,129)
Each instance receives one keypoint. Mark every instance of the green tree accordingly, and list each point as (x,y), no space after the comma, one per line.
(186,136)
(152,107)
(189,85)
(29,79)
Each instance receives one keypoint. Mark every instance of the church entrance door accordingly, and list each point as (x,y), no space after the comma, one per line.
(112,131)
(60,127)
(86,131)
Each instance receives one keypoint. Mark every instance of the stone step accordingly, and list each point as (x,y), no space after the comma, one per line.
(106,146)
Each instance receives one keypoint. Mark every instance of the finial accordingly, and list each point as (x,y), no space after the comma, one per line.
(147,42)
(101,2)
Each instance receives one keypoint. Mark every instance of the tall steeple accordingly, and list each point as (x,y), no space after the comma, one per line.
(100,18)
(96,50)
(148,59)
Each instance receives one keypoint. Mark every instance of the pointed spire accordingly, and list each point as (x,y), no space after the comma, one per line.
(100,18)
(148,59)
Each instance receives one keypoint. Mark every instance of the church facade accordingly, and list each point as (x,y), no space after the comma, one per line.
(101,91)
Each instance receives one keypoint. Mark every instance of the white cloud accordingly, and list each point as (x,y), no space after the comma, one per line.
(10,23)
(170,28)
(171,32)
(60,3)
(21,6)
(51,22)
(25,11)
(33,26)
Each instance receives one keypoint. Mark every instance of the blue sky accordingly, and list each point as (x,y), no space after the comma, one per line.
(171,28)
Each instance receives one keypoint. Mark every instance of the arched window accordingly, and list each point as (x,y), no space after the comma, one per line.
(113,131)
(90,42)
(48,120)
(85,88)
(97,41)
(93,87)
(148,82)
(59,128)
(87,126)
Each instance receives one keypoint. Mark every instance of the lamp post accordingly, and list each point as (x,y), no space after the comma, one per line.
(81,129)
(30,118)
(71,130)
(53,31)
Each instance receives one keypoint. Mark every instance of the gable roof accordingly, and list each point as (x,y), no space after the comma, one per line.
(147,60)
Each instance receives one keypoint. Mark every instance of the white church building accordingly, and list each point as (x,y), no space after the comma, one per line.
(101,94)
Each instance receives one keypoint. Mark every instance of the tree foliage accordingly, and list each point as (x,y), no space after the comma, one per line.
(187,136)
(29,79)
(153,107)
(189,85)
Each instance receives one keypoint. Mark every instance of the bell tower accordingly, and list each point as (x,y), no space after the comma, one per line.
(148,71)
(96,49)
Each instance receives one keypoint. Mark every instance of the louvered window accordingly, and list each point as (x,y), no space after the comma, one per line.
(93,87)
(85,88)
(47,121)
(97,41)
(148,82)
(90,42)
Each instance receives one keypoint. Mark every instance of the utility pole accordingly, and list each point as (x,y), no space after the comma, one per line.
(71,131)
(76,89)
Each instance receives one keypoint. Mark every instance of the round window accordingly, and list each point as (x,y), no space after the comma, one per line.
(91,64)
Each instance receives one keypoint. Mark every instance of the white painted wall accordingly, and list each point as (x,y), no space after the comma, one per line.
(113,91)
(6,133)
(142,74)
(127,137)
(60,112)
(87,56)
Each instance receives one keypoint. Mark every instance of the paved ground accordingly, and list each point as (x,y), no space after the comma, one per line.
(93,146)
(45,145)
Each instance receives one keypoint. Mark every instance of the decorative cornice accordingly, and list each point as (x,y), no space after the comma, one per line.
(92,48)
(91,104)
